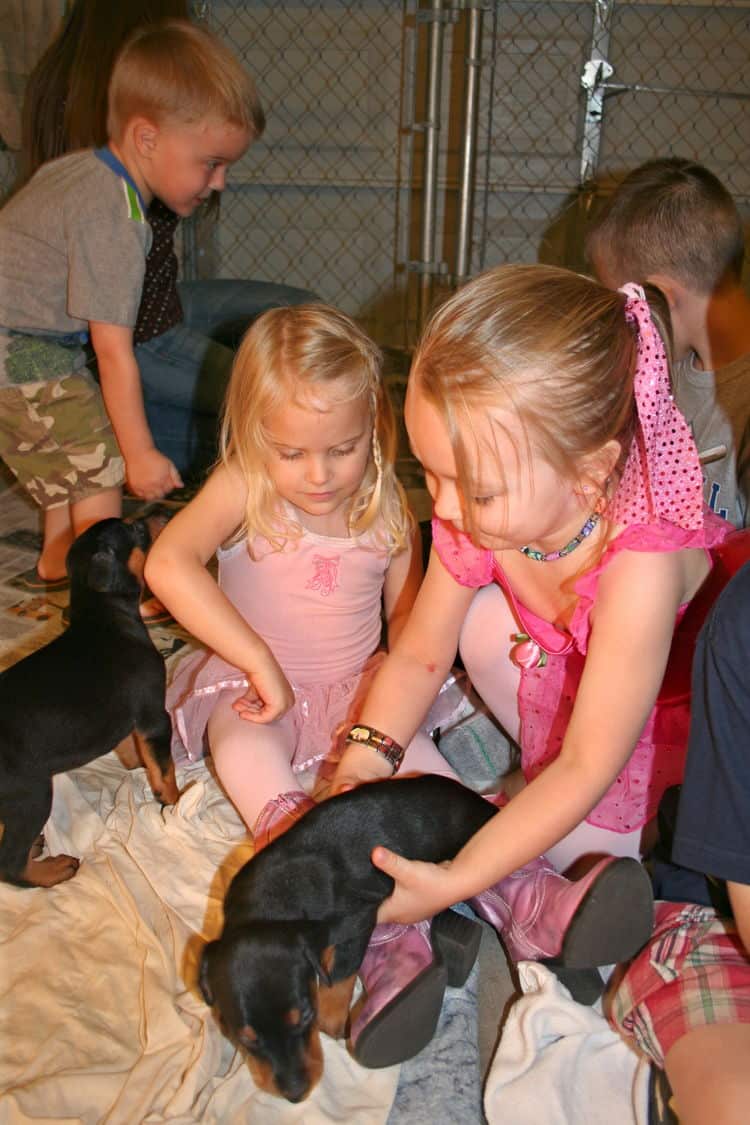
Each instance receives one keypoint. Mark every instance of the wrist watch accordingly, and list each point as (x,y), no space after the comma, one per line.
(376,740)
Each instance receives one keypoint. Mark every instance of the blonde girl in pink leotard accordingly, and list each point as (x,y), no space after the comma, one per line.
(313,537)
(316,548)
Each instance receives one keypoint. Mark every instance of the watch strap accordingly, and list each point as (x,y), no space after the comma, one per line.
(363,735)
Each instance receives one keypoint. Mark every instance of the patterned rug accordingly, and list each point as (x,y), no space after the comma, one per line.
(29,619)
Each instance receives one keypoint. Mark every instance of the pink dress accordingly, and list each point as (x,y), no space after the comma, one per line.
(547,694)
(317,604)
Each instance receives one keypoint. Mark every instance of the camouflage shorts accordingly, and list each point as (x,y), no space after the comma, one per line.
(57,439)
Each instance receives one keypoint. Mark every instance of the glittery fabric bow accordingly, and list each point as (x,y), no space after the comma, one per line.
(662,478)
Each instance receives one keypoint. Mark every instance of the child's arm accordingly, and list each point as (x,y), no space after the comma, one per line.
(739,896)
(149,473)
(402,581)
(628,651)
(411,676)
(176,572)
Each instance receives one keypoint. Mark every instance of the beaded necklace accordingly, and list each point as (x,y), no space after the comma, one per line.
(539,556)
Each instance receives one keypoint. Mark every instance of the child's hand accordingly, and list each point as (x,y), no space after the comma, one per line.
(268,696)
(151,475)
(422,889)
(359,764)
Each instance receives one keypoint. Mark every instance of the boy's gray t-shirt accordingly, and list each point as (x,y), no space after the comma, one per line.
(716,404)
(73,245)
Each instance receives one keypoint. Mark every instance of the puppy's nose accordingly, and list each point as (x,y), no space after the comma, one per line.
(295,1089)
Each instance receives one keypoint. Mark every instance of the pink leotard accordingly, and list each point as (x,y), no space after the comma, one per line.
(547,694)
(317,604)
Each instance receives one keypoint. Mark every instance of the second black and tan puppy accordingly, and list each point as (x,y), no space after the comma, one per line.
(81,695)
(299,915)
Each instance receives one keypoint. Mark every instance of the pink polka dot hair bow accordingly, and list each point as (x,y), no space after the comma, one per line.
(662,478)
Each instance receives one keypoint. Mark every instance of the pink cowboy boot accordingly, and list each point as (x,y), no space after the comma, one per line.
(600,919)
(279,814)
(404,974)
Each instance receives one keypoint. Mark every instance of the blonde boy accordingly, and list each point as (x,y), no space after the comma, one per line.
(673,223)
(73,244)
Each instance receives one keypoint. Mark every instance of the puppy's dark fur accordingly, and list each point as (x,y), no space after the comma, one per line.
(303,909)
(81,695)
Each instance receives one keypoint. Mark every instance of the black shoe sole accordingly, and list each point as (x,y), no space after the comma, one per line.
(405,1026)
(614,921)
(455,941)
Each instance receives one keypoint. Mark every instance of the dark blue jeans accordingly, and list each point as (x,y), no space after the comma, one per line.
(185,371)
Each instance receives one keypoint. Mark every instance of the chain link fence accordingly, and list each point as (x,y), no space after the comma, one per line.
(411,143)
(359,189)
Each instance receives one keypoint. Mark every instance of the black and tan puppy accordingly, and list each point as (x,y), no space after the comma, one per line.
(81,695)
(299,915)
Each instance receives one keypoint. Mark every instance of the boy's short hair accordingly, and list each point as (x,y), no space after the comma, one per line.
(670,216)
(177,71)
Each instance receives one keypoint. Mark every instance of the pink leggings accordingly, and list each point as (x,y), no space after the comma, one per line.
(485,644)
(254,760)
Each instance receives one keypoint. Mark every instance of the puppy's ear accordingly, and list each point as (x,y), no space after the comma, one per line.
(205,966)
(103,571)
(320,957)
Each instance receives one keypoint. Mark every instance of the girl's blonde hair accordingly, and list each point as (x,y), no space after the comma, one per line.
(177,71)
(551,346)
(310,355)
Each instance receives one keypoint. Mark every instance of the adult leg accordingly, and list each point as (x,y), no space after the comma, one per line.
(223,308)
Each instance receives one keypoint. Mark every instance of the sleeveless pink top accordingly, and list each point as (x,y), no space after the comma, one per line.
(547,694)
(317,604)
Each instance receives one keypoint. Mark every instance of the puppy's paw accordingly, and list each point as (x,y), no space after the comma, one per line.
(50,871)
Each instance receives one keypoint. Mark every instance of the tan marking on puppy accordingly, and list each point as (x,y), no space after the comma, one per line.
(261,1071)
(163,787)
(333,1006)
(127,752)
(137,562)
(314,1059)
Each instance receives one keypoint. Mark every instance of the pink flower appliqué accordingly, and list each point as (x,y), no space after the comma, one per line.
(527,653)
(325,578)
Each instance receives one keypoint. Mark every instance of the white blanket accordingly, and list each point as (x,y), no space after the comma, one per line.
(560,1063)
(100,1017)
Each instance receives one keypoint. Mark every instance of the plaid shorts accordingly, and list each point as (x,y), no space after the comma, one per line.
(57,439)
(693,972)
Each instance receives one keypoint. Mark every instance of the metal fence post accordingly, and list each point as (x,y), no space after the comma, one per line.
(595,73)
(473,63)
(426,264)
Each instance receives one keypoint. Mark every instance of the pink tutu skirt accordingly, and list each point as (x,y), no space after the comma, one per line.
(321,714)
